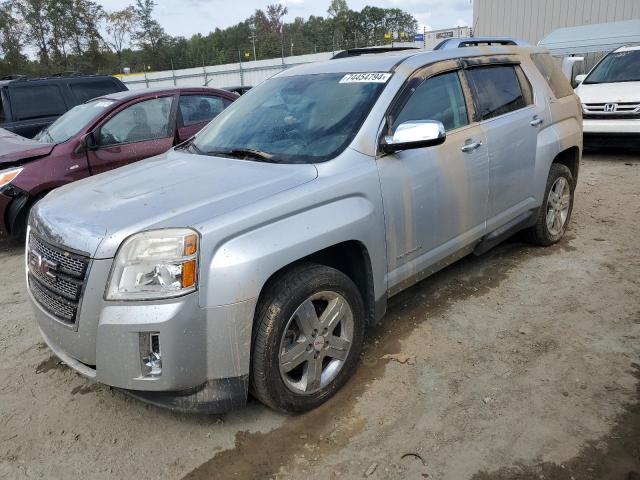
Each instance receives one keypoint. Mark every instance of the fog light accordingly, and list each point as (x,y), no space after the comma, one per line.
(150,356)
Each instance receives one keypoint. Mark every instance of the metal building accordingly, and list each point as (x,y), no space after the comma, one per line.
(532,20)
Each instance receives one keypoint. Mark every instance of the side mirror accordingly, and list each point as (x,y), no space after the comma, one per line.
(414,134)
(580,78)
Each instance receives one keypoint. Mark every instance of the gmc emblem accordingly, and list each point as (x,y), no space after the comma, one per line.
(41,265)
(610,107)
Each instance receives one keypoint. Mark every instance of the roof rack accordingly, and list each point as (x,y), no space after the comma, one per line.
(477,42)
(354,52)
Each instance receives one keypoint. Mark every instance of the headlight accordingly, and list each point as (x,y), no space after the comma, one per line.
(7,176)
(155,264)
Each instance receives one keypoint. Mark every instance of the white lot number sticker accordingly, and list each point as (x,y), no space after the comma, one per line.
(374,77)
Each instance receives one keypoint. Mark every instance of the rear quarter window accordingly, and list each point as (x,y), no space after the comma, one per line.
(558,83)
(36,101)
(84,91)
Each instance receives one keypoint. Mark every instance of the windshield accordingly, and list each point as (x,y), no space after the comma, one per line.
(297,119)
(621,66)
(73,121)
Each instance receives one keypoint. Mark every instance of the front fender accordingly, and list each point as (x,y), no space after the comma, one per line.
(240,266)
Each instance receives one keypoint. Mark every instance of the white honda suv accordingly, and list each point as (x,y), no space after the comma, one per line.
(610,96)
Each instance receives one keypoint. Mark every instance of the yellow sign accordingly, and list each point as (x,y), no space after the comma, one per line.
(387,35)
(247,54)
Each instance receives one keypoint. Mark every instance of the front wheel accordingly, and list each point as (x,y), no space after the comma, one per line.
(307,337)
(555,212)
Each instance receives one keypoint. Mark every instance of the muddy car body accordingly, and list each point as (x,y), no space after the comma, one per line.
(76,146)
(254,256)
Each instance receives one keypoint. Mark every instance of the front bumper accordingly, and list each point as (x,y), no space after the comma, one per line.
(611,126)
(205,351)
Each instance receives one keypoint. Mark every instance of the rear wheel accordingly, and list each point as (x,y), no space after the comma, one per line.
(307,338)
(555,212)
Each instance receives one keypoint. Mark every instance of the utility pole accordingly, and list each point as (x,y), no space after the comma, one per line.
(252,37)
(241,72)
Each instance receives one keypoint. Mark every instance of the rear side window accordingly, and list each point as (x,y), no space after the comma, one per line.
(84,91)
(437,98)
(558,83)
(496,89)
(36,101)
(201,108)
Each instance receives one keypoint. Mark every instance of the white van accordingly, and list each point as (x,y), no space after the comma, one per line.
(610,96)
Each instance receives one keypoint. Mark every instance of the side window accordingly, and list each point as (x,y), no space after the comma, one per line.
(558,83)
(36,101)
(147,120)
(2,115)
(84,91)
(201,108)
(437,98)
(497,90)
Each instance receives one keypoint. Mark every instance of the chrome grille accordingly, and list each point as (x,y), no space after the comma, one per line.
(611,110)
(56,278)
(68,263)
(65,311)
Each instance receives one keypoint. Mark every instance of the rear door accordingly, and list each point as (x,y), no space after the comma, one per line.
(137,131)
(510,121)
(196,110)
(34,107)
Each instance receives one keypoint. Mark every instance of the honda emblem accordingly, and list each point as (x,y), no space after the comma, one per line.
(610,107)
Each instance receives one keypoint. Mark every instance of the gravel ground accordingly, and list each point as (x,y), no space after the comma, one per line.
(523,363)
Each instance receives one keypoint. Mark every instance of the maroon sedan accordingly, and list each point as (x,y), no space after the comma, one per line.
(97,136)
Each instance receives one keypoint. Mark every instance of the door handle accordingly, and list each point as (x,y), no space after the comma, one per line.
(536,121)
(470,146)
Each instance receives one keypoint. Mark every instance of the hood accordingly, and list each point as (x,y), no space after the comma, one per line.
(175,189)
(622,92)
(14,148)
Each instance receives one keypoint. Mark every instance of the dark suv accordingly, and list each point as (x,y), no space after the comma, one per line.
(27,105)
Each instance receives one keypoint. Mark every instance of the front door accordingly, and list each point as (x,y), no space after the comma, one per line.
(138,131)
(435,198)
(510,120)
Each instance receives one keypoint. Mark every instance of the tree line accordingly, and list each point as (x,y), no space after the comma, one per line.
(40,37)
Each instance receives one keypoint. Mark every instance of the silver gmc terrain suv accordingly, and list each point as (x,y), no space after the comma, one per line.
(252,257)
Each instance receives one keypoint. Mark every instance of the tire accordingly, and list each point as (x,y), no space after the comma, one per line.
(558,208)
(287,355)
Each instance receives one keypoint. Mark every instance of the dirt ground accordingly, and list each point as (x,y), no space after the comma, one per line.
(523,363)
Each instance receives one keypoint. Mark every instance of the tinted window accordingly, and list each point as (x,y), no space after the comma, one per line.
(201,108)
(553,75)
(295,119)
(437,98)
(36,101)
(2,119)
(146,120)
(623,66)
(84,91)
(497,90)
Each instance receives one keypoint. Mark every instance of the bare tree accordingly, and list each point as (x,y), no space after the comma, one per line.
(120,28)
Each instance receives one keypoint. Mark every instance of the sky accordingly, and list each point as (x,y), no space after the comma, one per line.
(187,17)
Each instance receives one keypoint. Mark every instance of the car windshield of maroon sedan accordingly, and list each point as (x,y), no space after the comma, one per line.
(73,121)
(293,119)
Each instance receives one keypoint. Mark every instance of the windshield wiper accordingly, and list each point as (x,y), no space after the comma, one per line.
(190,146)
(244,153)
